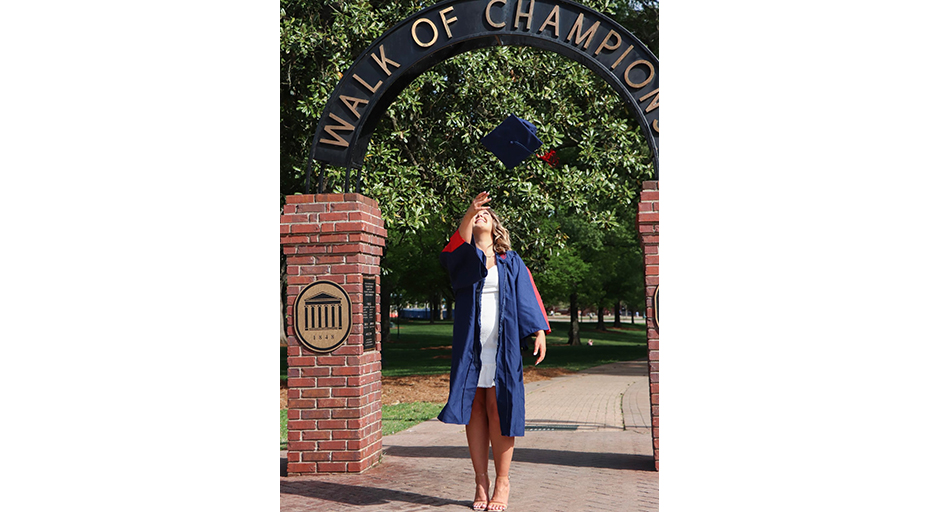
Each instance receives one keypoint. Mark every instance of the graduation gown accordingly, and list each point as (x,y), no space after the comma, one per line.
(521,314)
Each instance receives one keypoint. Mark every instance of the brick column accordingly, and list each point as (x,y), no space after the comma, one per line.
(334,416)
(648,226)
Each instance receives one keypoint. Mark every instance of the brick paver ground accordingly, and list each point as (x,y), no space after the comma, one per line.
(602,461)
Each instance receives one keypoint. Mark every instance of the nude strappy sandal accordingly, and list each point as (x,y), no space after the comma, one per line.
(496,506)
(482,504)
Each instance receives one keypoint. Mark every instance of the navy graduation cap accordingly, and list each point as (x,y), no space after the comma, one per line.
(512,141)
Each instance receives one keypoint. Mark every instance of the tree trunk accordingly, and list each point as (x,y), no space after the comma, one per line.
(283,331)
(617,314)
(283,296)
(574,336)
(386,307)
(632,316)
(600,319)
(436,308)
(450,309)
(431,308)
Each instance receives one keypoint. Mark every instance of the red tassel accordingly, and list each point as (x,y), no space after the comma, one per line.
(550,158)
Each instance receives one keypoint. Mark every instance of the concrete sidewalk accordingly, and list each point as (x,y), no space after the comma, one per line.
(587,448)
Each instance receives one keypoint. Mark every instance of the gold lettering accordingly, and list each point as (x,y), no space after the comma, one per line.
(337,140)
(367,86)
(622,55)
(626,73)
(527,16)
(656,125)
(447,21)
(587,35)
(385,61)
(548,21)
(489,18)
(653,104)
(352,103)
(414,33)
(605,46)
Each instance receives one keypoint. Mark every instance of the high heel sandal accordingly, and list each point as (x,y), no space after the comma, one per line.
(482,504)
(497,506)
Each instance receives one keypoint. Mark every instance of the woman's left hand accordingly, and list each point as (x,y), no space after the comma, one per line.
(539,346)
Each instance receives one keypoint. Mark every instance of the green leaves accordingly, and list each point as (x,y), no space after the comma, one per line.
(425,162)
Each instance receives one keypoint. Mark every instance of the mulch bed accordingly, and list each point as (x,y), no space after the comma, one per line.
(434,388)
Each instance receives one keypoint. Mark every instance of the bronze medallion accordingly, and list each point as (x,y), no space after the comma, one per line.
(322,316)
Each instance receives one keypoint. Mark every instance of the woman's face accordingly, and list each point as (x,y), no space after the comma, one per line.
(483,222)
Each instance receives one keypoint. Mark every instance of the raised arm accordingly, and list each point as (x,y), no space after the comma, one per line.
(466,224)
(465,263)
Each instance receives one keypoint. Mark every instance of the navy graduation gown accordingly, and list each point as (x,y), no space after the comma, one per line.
(521,314)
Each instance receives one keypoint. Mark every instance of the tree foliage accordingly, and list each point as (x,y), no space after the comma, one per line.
(425,161)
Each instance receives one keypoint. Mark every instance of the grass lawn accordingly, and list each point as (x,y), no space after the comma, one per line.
(398,417)
(409,351)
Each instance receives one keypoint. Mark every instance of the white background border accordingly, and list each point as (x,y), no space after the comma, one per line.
(139,198)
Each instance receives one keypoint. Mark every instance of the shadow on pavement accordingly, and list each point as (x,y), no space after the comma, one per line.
(361,494)
(628,368)
(536,424)
(537,456)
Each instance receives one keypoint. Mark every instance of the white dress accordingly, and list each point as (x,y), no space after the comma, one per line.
(489,328)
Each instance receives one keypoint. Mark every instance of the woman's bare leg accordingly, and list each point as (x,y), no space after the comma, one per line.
(478,439)
(502,449)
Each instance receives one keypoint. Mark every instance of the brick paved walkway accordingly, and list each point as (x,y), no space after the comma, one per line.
(601,461)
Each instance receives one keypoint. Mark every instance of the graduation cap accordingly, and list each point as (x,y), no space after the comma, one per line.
(512,141)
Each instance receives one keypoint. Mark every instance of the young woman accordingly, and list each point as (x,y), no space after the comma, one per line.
(496,306)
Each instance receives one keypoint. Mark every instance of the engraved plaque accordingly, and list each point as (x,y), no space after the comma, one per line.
(368,314)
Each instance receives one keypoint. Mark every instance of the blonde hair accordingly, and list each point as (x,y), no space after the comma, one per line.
(500,236)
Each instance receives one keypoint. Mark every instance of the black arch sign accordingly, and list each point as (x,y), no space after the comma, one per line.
(453,27)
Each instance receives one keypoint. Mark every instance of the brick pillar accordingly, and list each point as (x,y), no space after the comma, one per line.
(648,226)
(334,416)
